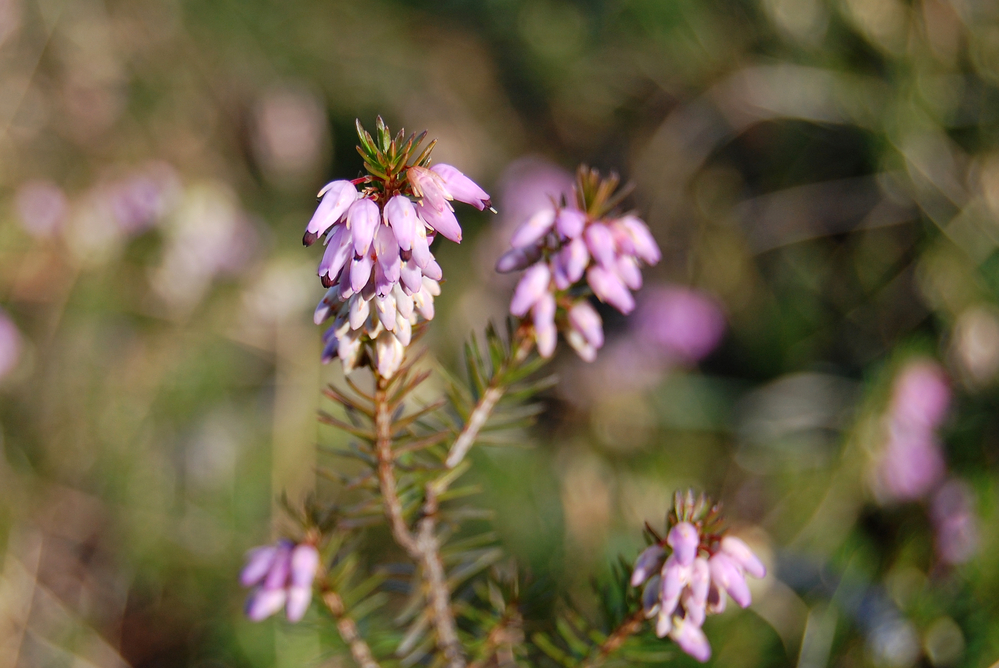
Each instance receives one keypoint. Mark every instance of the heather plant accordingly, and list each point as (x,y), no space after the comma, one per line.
(458,607)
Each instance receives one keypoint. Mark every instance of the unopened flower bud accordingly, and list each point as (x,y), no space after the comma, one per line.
(684,540)
(534,228)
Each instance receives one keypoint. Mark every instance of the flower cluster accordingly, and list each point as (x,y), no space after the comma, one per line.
(282,575)
(377,266)
(912,462)
(571,250)
(688,575)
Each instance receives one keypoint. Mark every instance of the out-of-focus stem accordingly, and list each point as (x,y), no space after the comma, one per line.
(423,547)
(505,633)
(629,627)
(487,403)
(348,631)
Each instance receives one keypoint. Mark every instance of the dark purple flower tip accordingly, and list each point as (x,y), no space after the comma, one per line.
(650,596)
(309,238)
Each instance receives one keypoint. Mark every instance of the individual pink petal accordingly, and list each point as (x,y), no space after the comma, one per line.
(532,285)
(627,270)
(258,564)
(421,248)
(360,272)
(600,243)
(337,197)
(691,639)
(674,577)
(433,271)
(359,310)
(570,222)
(265,602)
(695,597)
(386,309)
(277,576)
(442,221)
(575,258)
(649,561)
(545,333)
(401,216)
(584,319)
(534,228)
(727,574)
(304,564)
(299,598)
(684,540)
(645,246)
(429,187)
(743,556)
(339,249)
(389,353)
(387,251)
(362,218)
(411,276)
(461,187)
(609,288)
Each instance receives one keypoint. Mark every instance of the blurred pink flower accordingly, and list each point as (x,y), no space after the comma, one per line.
(921,395)
(681,324)
(685,585)
(954,521)
(289,136)
(10,344)
(41,208)
(139,200)
(528,185)
(912,462)
(911,465)
(283,575)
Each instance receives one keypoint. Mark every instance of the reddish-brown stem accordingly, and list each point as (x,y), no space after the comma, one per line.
(423,547)
(348,631)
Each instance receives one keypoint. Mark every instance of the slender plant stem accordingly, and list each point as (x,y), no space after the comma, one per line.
(348,631)
(487,402)
(502,634)
(423,547)
(629,627)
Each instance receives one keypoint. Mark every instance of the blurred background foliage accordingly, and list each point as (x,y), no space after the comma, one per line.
(825,170)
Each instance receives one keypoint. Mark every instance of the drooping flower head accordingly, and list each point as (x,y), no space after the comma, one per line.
(380,275)
(573,250)
(282,577)
(688,574)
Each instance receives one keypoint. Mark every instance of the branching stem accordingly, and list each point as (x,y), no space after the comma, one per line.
(423,547)
(487,402)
